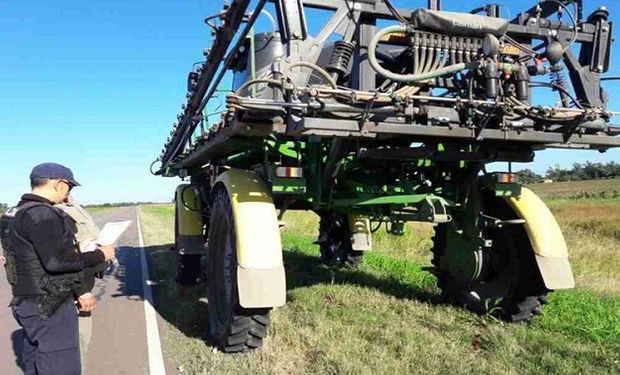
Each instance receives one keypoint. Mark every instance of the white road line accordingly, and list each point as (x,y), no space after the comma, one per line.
(156,359)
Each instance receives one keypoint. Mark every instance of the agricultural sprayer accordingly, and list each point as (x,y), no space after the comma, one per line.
(382,117)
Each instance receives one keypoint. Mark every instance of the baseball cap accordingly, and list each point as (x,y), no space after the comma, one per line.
(54,171)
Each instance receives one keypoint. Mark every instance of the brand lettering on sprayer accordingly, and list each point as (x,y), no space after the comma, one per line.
(467,25)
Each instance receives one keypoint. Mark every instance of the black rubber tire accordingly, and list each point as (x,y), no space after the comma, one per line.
(335,242)
(523,293)
(231,328)
(189,270)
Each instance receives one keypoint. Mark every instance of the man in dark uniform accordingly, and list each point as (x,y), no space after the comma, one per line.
(44,269)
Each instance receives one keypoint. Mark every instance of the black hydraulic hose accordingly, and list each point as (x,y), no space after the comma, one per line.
(394,12)
(151,168)
(386,57)
(558,87)
(572,18)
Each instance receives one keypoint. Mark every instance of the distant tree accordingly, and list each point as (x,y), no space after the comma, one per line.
(611,169)
(592,171)
(527,176)
(578,172)
(556,173)
(587,171)
(119,204)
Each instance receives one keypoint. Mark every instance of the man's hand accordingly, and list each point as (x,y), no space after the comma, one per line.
(108,251)
(87,302)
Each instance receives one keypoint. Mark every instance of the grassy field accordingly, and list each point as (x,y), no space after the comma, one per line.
(603,189)
(98,210)
(387,318)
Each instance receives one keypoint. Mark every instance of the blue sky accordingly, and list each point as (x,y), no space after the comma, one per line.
(96,85)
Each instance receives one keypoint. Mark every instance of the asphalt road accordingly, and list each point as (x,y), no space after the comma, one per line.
(118,344)
(10,333)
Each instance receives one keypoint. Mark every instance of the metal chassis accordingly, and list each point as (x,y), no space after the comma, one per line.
(584,73)
(240,134)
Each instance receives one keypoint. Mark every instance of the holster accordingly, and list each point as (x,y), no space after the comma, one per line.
(58,288)
(49,303)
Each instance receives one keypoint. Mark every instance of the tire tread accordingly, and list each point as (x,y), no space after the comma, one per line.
(246,328)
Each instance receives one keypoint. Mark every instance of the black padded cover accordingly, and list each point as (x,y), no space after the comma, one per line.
(461,24)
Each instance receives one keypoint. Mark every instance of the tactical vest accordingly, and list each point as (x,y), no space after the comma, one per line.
(24,270)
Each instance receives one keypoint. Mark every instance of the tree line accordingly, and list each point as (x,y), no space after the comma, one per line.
(118,204)
(579,172)
(4,206)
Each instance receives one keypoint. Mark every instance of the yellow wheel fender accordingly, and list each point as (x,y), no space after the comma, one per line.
(361,236)
(546,239)
(260,270)
(189,238)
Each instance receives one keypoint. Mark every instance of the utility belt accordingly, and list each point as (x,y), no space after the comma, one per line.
(57,290)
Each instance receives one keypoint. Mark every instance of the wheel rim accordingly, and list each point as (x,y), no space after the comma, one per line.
(489,277)
(499,273)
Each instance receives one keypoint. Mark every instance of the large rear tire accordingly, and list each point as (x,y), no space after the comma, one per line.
(510,285)
(231,327)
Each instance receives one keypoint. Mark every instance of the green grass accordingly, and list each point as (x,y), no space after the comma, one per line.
(386,317)
(578,190)
(96,210)
(592,232)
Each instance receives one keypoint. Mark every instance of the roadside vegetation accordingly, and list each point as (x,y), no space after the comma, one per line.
(579,172)
(98,210)
(579,190)
(387,318)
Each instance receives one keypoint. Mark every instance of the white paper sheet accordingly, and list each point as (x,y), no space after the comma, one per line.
(110,233)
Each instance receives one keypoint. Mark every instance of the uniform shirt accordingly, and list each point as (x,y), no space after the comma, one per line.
(87,229)
(87,232)
(45,231)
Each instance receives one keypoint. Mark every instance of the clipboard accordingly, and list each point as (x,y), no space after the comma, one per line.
(109,234)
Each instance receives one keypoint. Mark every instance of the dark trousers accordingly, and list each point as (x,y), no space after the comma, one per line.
(51,346)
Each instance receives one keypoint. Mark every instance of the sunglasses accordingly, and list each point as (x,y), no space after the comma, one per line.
(68,184)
